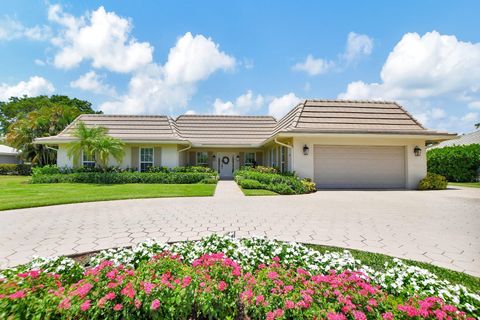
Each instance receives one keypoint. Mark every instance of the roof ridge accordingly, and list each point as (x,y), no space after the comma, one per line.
(351,101)
(408,113)
(224,116)
(295,121)
(124,115)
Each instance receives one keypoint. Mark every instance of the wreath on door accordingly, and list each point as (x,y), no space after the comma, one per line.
(225,160)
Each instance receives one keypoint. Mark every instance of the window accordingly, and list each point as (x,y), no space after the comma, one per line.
(146,158)
(283,159)
(88,160)
(250,158)
(202,158)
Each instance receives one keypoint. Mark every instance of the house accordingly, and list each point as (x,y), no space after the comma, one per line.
(465,139)
(8,155)
(338,144)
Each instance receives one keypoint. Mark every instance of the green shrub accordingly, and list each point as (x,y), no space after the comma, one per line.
(251,184)
(48,169)
(158,169)
(15,169)
(193,169)
(212,180)
(309,185)
(433,181)
(281,188)
(125,177)
(261,169)
(283,184)
(456,163)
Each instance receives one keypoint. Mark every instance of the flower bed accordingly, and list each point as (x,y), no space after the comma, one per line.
(268,179)
(220,277)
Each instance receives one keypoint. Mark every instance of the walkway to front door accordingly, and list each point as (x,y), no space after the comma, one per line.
(228,189)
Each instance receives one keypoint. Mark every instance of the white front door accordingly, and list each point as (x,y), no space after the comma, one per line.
(225,164)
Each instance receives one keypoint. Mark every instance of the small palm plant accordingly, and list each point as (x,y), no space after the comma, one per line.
(95,141)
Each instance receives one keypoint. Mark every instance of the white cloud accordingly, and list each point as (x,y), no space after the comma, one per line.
(194,59)
(474,104)
(279,106)
(93,82)
(422,67)
(470,117)
(33,87)
(358,45)
(313,66)
(11,29)
(243,104)
(160,89)
(40,62)
(100,36)
(190,112)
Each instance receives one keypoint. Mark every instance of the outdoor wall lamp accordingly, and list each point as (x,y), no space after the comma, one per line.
(417,151)
(238,157)
(214,156)
(305,150)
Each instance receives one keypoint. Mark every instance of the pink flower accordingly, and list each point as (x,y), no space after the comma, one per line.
(137,303)
(372,302)
(85,306)
(222,285)
(17,295)
(289,304)
(335,316)
(83,290)
(118,307)
(128,291)
(155,304)
(109,296)
(272,275)
(65,304)
(186,281)
(259,299)
(387,316)
(147,287)
(359,315)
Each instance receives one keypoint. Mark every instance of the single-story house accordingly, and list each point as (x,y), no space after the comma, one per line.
(9,155)
(338,144)
(462,140)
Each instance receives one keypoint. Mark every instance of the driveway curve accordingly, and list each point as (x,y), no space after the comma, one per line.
(440,227)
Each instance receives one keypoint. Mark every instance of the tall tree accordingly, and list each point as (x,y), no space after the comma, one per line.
(95,141)
(44,122)
(18,108)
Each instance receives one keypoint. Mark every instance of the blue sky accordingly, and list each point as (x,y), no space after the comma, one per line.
(248,57)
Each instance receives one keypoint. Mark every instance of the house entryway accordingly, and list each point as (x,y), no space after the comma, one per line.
(226,164)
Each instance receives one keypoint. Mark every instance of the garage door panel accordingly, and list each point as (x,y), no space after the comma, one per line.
(359,166)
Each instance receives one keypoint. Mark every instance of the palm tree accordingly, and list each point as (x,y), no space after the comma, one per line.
(95,141)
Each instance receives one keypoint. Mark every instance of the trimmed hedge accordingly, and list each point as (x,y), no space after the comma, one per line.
(456,163)
(127,177)
(433,181)
(15,169)
(279,183)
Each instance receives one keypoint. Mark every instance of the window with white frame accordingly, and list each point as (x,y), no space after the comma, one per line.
(146,158)
(202,158)
(249,158)
(283,159)
(88,160)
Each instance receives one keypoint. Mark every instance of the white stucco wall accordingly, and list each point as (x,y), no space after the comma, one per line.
(416,167)
(170,157)
(62,159)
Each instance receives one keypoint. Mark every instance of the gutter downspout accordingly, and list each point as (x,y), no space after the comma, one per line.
(184,149)
(285,145)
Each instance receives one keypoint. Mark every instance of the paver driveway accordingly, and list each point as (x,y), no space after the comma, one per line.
(442,227)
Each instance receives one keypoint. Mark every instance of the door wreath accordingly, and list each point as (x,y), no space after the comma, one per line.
(225,160)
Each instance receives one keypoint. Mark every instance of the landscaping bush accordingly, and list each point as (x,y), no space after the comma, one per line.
(433,181)
(126,177)
(309,185)
(219,277)
(283,184)
(158,169)
(193,169)
(261,169)
(456,163)
(15,169)
(251,184)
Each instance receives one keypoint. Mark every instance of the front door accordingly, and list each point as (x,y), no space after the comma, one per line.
(225,164)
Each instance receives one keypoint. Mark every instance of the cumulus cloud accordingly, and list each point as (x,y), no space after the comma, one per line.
(11,29)
(33,87)
(156,88)
(313,66)
(100,36)
(243,104)
(279,106)
(358,45)
(93,82)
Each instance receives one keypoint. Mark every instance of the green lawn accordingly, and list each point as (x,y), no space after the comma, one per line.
(377,262)
(16,192)
(258,192)
(465,184)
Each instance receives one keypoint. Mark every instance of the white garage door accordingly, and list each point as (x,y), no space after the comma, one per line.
(359,167)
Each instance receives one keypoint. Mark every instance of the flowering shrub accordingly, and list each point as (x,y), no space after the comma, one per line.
(220,277)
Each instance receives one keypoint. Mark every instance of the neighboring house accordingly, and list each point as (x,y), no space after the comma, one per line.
(338,144)
(465,139)
(8,155)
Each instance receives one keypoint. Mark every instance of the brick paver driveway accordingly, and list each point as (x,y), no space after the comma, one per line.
(442,227)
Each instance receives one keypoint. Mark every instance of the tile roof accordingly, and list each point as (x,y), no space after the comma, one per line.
(310,116)
(468,138)
(6,150)
(229,130)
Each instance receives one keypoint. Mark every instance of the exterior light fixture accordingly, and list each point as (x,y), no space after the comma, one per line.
(306,149)
(238,157)
(417,151)
(214,156)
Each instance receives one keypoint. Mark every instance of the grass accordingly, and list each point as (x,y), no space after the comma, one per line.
(258,192)
(466,184)
(377,262)
(16,193)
